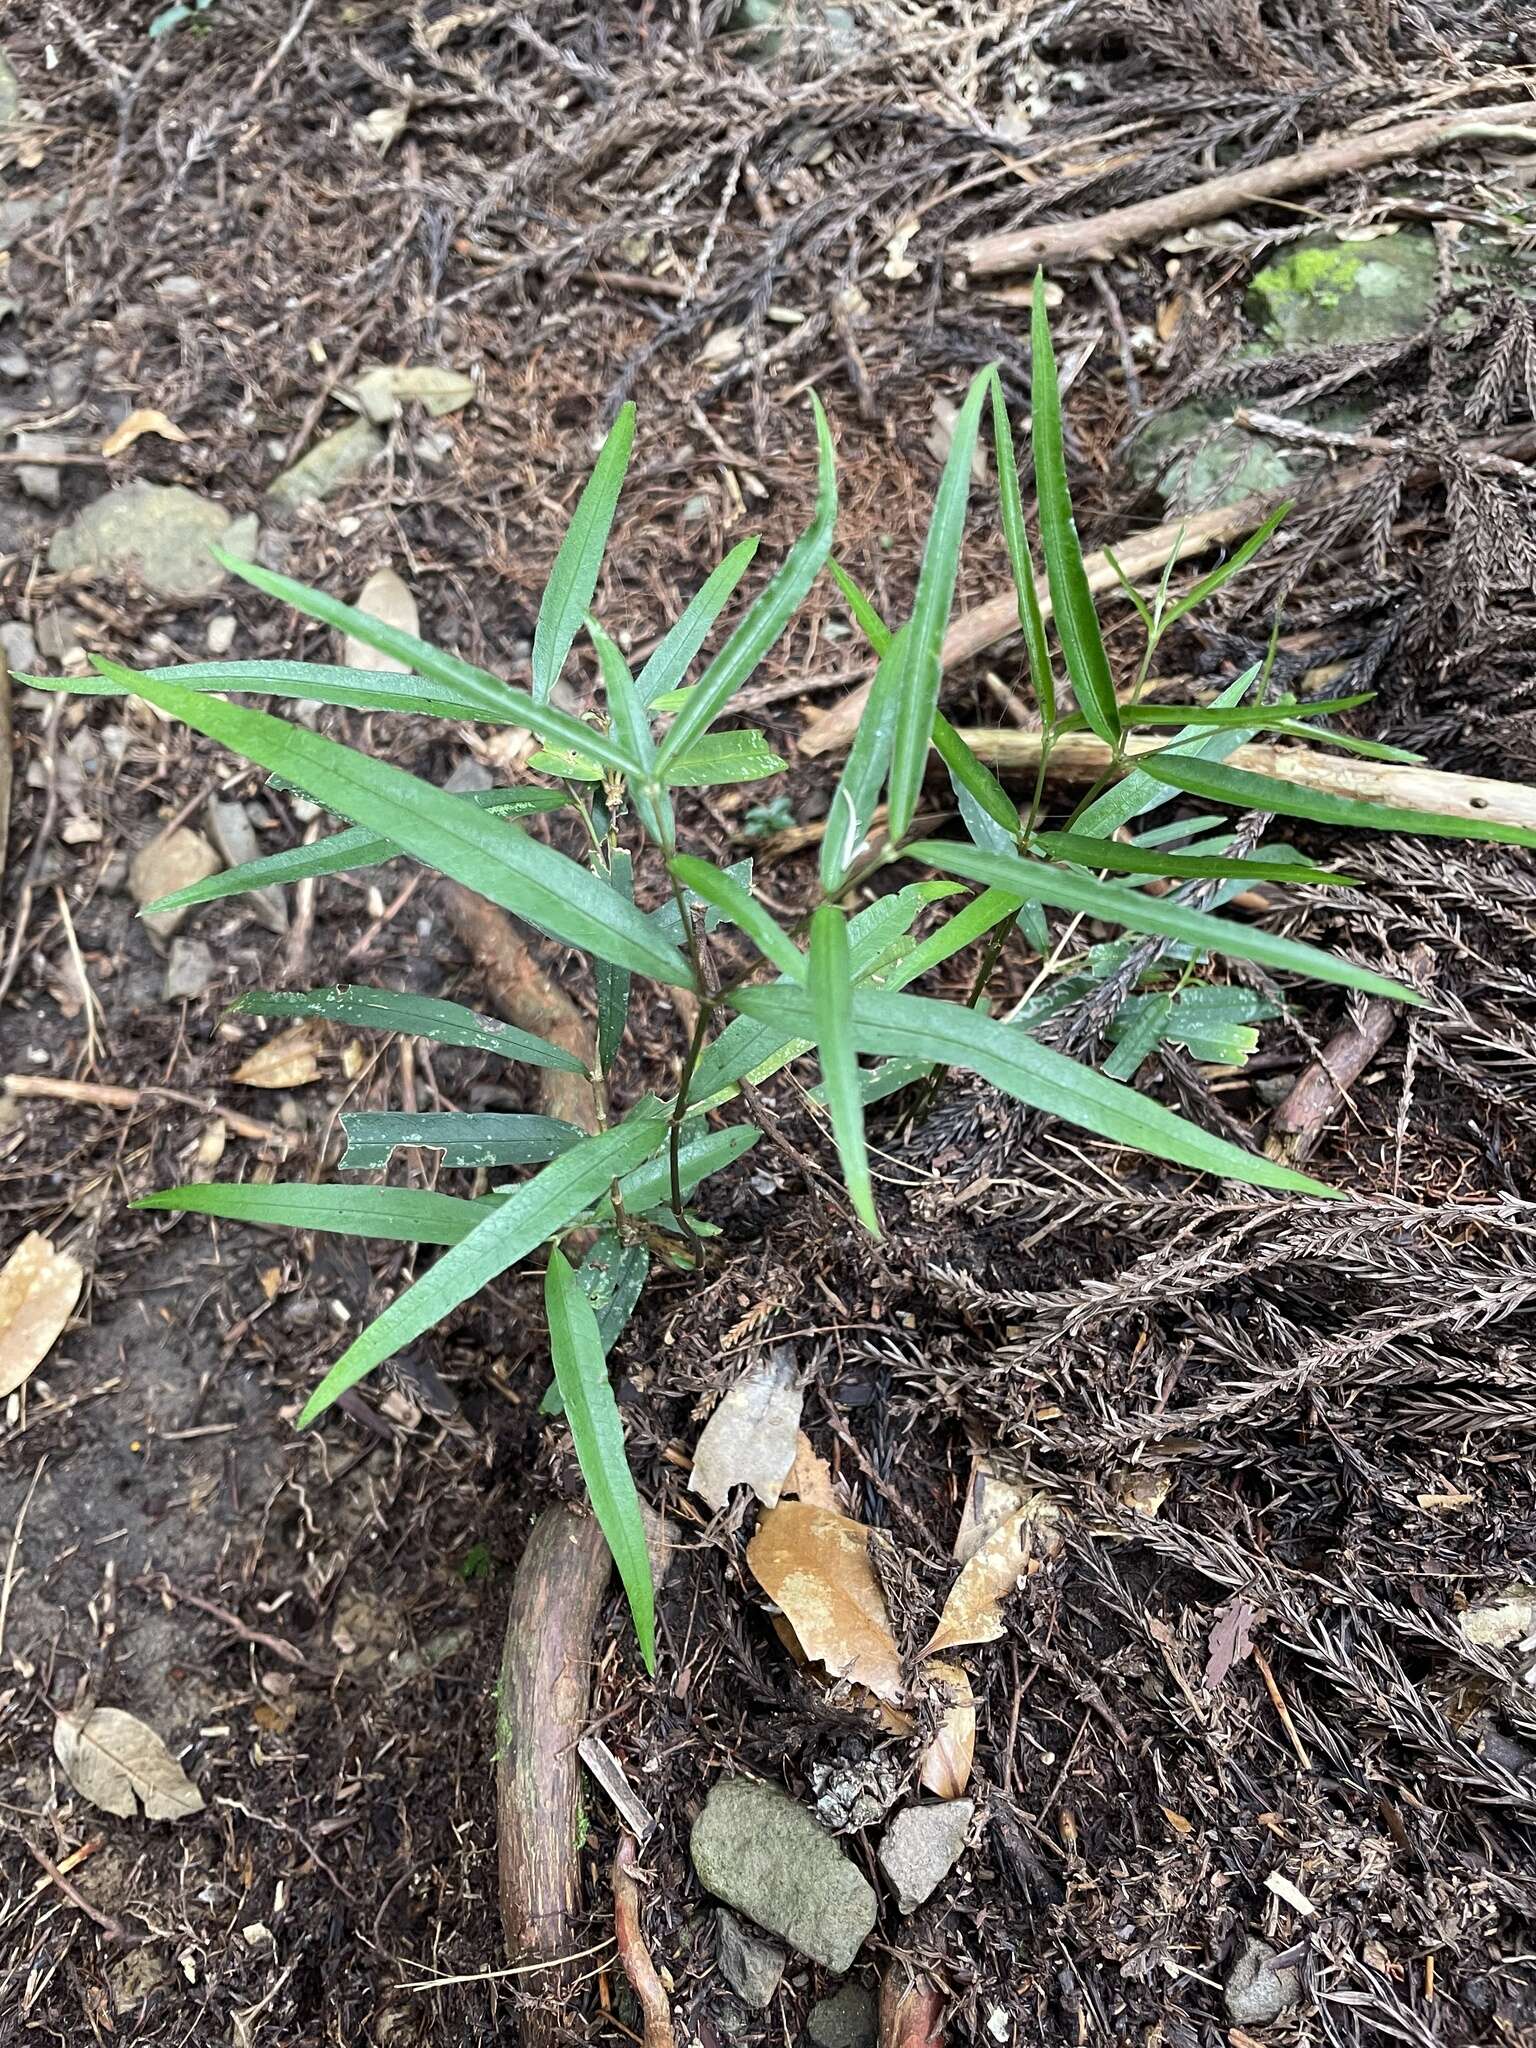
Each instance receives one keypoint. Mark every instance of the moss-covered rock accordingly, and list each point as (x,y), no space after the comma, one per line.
(1324,293)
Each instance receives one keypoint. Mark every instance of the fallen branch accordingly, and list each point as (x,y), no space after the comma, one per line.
(1142,555)
(1102,235)
(1083,757)
(101,1095)
(526,997)
(542,1710)
(1322,1088)
(633,1953)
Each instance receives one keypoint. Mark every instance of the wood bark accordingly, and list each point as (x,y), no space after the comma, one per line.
(1102,235)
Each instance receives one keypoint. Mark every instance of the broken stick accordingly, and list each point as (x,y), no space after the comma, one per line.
(1102,235)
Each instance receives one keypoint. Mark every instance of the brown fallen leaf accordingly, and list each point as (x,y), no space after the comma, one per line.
(945,1765)
(288,1061)
(816,1566)
(1014,1549)
(1230,1640)
(146,420)
(750,1438)
(810,1478)
(38,1291)
(989,1500)
(113,1760)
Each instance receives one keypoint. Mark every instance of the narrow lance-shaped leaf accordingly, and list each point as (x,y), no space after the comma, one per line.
(767,617)
(581,1373)
(716,886)
(1136,911)
(649,1186)
(1031,621)
(921,659)
(399,1215)
(865,617)
(1212,716)
(356,689)
(341,853)
(384,1009)
(568,593)
(483,852)
(462,1137)
(1237,561)
(1083,851)
(484,695)
(1077,623)
(990,814)
(533,1212)
(673,655)
(1141,1037)
(919,1028)
(830,982)
(857,794)
(1136,793)
(1238,787)
(632,730)
(613,982)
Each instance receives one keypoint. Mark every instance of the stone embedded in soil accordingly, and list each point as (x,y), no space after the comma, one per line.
(39,480)
(328,467)
(188,972)
(845,2020)
(751,1966)
(921,1847)
(172,861)
(221,634)
(760,1851)
(158,533)
(235,836)
(1324,293)
(1255,1991)
(387,598)
(19,647)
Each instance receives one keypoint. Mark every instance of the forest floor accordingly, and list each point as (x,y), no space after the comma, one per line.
(1269,1682)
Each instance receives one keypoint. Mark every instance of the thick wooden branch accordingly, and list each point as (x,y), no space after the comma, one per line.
(1102,235)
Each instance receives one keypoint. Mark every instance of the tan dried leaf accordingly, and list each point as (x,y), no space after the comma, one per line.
(989,1500)
(114,1760)
(945,1765)
(38,1291)
(816,1565)
(810,1478)
(1014,1549)
(145,420)
(380,393)
(750,1438)
(288,1061)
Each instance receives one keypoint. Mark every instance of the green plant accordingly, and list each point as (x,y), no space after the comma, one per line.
(624,1191)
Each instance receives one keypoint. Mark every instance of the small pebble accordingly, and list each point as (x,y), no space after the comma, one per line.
(221,633)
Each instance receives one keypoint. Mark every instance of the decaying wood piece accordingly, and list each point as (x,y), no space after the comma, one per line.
(633,1953)
(911,2010)
(1323,1087)
(524,994)
(1083,757)
(1101,235)
(1142,555)
(542,1710)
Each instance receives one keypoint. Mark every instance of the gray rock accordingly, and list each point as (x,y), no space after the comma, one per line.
(172,861)
(220,636)
(1323,292)
(751,1966)
(19,646)
(921,1847)
(188,972)
(845,2020)
(326,468)
(159,533)
(17,218)
(39,480)
(10,92)
(1255,1991)
(234,835)
(468,776)
(14,366)
(756,1849)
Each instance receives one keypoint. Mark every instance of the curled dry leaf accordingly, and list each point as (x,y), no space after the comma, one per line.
(816,1566)
(146,420)
(810,1478)
(114,1760)
(750,1438)
(287,1061)
(38,1291)
(1015,1548)
(945,1765)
